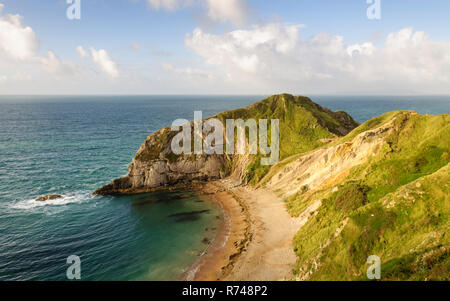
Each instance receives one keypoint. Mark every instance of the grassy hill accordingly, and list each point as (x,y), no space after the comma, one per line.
(395,204)
(304,125)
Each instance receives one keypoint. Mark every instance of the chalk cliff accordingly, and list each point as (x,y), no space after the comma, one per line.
(304,125)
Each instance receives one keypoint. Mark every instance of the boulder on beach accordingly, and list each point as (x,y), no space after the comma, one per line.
(48,197)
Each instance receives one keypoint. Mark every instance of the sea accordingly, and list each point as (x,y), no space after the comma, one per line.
(72,145)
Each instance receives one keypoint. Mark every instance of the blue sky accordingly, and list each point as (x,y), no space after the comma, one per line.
(201,47)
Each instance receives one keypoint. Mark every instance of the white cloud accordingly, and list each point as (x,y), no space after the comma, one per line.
(106,64)
(83,53)
(275,58)
(102,59)
(16,77)
(246,50)
(234,11)
(20,61)
(1,7)
(408,58)
(170,5)
(357,49)
(52,64)
(17,41)
(20,76)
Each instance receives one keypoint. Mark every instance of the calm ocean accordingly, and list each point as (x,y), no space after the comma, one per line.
(74,145)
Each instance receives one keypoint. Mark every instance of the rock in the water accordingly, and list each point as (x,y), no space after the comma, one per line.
(48,197)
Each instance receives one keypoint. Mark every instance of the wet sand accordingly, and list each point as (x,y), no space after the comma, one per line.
(217,260)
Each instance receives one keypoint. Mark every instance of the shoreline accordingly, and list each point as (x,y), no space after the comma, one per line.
(255,240)
(218,259)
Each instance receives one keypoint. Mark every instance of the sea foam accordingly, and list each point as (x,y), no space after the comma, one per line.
(77,197)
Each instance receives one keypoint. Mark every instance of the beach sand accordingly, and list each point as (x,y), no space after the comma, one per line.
(255,240)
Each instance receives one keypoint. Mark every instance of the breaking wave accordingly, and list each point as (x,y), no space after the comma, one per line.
(77,197)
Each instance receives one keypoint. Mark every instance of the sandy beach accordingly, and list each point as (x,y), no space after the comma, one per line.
(255,240)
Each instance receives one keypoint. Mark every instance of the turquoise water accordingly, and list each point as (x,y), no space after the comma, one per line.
(74,145)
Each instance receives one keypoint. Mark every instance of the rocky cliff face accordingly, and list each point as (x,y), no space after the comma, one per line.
(304,125)
(327,166)
(155,166)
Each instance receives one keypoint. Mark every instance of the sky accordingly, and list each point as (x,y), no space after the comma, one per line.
(225,47)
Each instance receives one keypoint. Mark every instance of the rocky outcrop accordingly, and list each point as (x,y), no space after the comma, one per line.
(49,197)
(326,167)
(155,166)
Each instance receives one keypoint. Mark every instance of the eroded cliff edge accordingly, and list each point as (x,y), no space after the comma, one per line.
(304,125)
(382,190)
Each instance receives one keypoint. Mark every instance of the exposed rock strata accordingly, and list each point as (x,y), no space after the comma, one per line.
(156,167)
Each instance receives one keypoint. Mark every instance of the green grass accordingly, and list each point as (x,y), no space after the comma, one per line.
(431,265)
(396,206)
(155,145)
(416,147)
(411,238)
(302,126)
(350,196)
(369,125)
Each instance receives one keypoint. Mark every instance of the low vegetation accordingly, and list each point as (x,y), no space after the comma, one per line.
(304,125)
(395,206)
